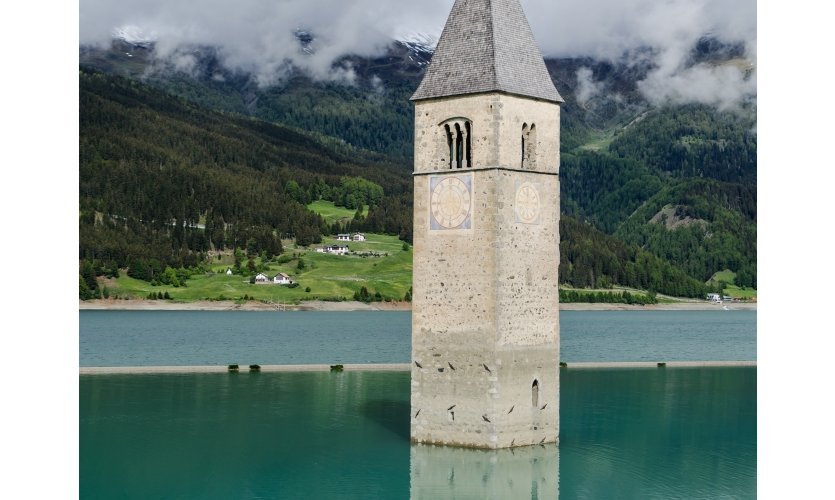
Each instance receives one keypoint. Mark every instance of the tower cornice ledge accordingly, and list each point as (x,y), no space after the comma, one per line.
(450,97)
(478,169)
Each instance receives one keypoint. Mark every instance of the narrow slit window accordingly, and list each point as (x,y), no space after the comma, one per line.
(524,144)
(459,146)
(531,149)
(535,393)
(469,155)
(449,143)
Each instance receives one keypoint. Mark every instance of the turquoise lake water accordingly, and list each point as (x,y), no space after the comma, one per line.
(183,338)
(625,433)
(640,433)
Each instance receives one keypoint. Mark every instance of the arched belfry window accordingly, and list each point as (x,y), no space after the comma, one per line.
(529,146)
(535,393)
(458,133)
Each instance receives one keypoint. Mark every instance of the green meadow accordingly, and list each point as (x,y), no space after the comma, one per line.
(328,277)
(731,289)
(380,264)
(331,213)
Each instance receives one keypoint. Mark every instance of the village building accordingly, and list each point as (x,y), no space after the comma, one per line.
(358,237)
(278,279)
(485,310)
(333,249)
(282,279)
(343,237)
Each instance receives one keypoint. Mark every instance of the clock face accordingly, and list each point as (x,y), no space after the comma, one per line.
(450,202)
(527,204)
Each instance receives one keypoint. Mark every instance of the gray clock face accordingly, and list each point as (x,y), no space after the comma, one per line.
(450,202)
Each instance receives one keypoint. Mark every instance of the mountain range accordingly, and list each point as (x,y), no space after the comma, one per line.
(674,181)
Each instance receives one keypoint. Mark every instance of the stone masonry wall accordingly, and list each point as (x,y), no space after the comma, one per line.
(497,123)
(485,297)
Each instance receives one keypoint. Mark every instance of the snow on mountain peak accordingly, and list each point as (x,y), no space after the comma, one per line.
(425,39)
(134,35)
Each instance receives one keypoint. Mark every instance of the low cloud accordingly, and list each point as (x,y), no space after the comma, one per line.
(377,84)
(254,36)
(661,33)
(725,86)
(259,36)
(587,88)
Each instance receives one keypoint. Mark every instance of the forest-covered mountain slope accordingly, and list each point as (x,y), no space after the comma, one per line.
(155,168)
(679,181)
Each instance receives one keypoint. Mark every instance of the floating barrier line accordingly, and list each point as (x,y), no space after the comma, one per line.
(388,367)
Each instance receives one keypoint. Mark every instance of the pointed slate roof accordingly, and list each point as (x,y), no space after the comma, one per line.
(487,46)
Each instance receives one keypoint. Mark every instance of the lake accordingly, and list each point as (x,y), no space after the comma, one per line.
(625,433)
(189,338)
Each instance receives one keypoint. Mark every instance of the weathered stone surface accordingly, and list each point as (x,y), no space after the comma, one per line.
(497,121)
(485,297)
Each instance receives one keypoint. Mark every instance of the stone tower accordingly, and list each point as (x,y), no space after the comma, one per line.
(485,311)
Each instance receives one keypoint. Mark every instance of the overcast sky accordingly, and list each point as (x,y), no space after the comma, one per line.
(257,35)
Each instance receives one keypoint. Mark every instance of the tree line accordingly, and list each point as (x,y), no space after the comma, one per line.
(590,258)
(163,182)
(694,141)
(162,179)
(695,162)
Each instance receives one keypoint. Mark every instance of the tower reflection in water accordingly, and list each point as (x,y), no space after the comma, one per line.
(446,472)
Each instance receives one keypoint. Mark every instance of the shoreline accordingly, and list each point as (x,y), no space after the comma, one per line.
(348,306)
(383,367)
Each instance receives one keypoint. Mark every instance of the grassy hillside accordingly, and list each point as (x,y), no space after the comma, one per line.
(332,213)
(727,279)
(329,277)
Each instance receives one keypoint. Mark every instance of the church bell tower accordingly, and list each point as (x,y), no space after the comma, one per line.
(485,310)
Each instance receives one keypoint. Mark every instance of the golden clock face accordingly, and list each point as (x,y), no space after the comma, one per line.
(450,203)
(527,204)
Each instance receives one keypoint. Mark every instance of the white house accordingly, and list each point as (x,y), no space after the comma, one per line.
(343,237)
(714,297)
(359,237)
(336,249)
(262,278)
(282,279)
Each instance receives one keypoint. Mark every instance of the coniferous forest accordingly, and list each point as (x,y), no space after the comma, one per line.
(173,169)
(163,179)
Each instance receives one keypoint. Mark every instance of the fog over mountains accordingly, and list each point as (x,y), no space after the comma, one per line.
(261,38)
